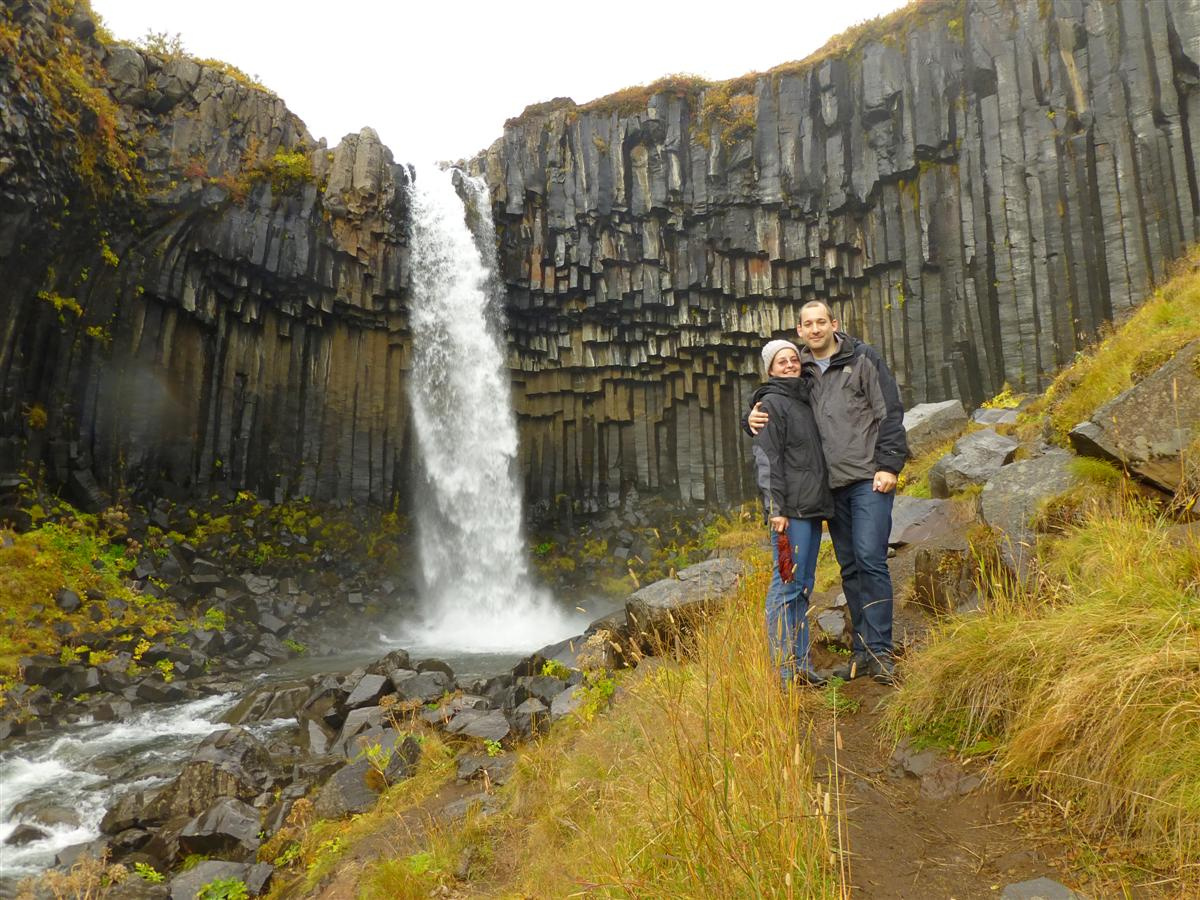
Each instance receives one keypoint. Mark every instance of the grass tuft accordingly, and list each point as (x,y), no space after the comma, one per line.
(698,782)
(1085,683)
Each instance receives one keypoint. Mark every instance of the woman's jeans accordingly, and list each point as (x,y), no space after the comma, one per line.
(787,604)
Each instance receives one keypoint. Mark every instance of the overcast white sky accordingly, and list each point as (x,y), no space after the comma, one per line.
(437,80)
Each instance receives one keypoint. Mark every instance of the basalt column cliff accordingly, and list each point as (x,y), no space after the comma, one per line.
(973,187)
(199,296)
(196,293)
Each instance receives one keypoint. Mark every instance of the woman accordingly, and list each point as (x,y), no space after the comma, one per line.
(796,497)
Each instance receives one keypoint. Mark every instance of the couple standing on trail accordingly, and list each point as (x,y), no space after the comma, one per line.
(829,443)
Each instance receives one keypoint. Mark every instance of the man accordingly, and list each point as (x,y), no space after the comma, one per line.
(861,422)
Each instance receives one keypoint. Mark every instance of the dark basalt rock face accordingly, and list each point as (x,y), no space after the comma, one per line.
(198,291)
(199,294)
(974,192)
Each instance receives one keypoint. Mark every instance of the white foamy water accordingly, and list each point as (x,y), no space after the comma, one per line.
(82,772)
(478,596)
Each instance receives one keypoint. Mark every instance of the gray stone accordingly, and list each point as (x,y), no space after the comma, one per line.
(995,416)
(659,609)
(349,791)
(496,769)
(421,686)
(832,625)
(1148,428)
(482,804)
(491,726)
(368,691)
(909,514)
(225,826)
(929,424)
(566,703)
(187,885)
(1011,499)
(1038,889)
(975,458)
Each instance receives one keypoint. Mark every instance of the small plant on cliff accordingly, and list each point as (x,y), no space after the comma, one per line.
(288,170)
(61,304)
(729,110)
(161,43)
(35,417)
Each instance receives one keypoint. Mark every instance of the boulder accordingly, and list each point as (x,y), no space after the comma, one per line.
(229,825)
(910,516)
(544,687)
(357,721)
(976,457)
(1147,428)
(531,716)
(350,790)
(497,769)
(25,833)
(657,611)
(228,763)
(1011,498)
(566,703)
(187,885)
(944,577)
(395,659)
(491,726)
(368,691)
(930,424)
(995,416)
(423,687)
(67,600)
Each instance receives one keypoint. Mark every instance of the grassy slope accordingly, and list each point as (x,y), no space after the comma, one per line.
(1085,684)
(696,782)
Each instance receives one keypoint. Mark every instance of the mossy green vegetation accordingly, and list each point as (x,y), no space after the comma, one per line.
(81,553)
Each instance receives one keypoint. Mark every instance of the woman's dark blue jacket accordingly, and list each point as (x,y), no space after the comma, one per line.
(788,460)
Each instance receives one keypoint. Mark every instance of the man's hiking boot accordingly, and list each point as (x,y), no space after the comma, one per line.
(810,679)
(882,669)
(858,666)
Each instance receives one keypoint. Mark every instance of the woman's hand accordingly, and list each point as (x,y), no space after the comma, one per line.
(779,524)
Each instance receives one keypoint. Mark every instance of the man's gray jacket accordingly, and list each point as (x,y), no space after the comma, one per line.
(858,412)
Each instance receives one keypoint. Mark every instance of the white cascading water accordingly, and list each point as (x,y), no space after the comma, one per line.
(85,769)
(478,596)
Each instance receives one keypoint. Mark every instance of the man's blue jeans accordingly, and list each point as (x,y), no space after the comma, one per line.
(787,604)
(859,530)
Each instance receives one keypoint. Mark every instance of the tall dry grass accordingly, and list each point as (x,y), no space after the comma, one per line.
(697,783)
(1086,684)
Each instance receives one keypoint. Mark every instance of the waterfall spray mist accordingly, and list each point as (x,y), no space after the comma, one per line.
(477,595)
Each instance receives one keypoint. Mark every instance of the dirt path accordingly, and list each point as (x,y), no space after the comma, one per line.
(918,823)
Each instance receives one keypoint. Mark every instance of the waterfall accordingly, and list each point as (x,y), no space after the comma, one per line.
(477,596)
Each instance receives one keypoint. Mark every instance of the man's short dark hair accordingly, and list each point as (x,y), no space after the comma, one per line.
(828,310)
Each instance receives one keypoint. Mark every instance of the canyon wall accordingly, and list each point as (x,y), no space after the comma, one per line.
(197,294)
(199,297)
(974,187)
